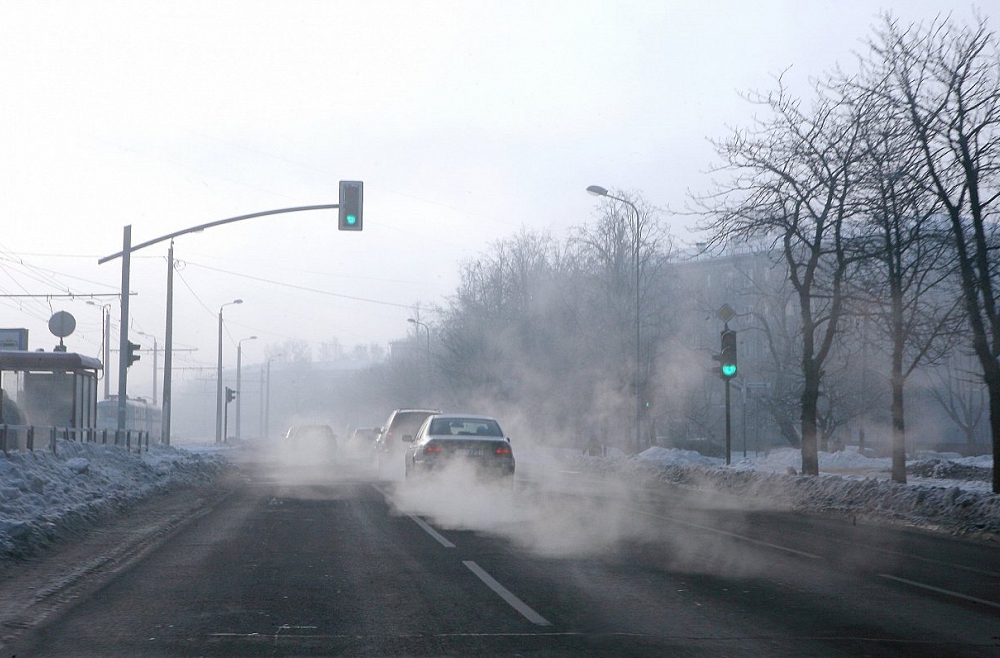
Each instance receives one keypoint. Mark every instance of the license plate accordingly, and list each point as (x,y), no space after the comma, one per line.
(477,452)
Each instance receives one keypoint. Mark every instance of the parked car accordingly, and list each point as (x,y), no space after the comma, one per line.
(398,430)
(446,438)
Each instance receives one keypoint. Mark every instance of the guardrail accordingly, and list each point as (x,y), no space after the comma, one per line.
(27,437)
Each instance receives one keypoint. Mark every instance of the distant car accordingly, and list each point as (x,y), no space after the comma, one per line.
(359,445)
(318,440)
(446,438)
(398,431)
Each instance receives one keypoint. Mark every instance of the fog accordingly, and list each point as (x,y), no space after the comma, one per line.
(547,508)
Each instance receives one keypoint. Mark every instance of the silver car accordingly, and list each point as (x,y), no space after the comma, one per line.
(447,438)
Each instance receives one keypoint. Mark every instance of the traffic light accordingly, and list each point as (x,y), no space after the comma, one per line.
(131,357)
(230,395)
(351,205)
(727,359)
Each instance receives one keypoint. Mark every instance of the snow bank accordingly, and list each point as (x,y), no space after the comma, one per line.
(46,496)
(943,494)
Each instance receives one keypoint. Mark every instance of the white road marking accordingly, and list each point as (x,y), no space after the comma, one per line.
(431,531)
(947,592)
(420,522)
(506,595)
(929,560)
(732,534)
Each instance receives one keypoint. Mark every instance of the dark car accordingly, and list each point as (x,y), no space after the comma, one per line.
(444,439)
(314,440)
(358,446)
(398,430)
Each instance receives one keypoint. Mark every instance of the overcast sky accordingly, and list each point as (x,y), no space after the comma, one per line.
(465,120)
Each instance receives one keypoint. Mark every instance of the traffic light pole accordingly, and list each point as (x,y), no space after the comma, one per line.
(728,369)
(729,427)
(123,342)
(125,255)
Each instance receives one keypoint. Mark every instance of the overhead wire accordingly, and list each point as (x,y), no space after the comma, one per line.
(303,288)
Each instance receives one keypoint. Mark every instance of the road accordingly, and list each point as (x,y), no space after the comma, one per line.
(304,560)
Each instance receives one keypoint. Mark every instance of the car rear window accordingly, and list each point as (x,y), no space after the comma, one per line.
(465,427)
(408,423)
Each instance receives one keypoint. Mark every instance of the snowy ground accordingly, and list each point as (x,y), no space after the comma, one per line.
(943,492)
(45,497)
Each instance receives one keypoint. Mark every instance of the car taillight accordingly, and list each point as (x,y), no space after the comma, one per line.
(502,451)
(432,449)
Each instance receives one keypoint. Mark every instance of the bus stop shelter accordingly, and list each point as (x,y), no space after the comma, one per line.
(53,389)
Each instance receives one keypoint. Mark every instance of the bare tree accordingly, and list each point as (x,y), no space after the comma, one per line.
(629,246)
(791,180)
(780,334)
(903,283)
(961,398)
(946,79)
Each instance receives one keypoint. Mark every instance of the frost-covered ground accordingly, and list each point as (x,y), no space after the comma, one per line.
(45,497)
(943,491)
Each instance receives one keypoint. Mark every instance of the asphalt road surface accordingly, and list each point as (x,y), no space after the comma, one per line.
(311,559)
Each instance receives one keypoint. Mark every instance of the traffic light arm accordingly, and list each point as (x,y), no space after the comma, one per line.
(202,227)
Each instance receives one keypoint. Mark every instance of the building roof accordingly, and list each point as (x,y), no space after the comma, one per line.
(50,361)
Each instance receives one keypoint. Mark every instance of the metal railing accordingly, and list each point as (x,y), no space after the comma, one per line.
(28,437)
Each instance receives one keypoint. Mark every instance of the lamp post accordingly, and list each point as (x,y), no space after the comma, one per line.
(418,323)
(218,384)
(155,361)
(266,430)
(597,190)
(105,344)
(239,389)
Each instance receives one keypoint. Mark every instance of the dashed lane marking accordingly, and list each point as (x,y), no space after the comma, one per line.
(507,595)
(938,590)
(431,531)
(732,534)
(420,522)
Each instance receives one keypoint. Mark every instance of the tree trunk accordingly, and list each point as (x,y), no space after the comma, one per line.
(897,380)
(810,404)
(898,429)
(993,386)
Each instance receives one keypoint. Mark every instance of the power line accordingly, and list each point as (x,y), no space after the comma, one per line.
(297,287)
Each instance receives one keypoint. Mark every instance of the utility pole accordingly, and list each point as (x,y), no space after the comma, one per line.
(168,351)
(107,352)
(123,343)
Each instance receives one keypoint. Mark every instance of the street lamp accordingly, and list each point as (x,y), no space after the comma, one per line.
(105,344)
(428,329)
(418,323)
(597,190)
(218,383)
(155,360)
(266,428)
(239,389)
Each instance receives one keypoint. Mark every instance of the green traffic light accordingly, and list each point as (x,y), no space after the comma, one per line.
(728,369)
(352,220)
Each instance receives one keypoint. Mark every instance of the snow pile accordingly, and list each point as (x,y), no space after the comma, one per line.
(46,496)
(953,495)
